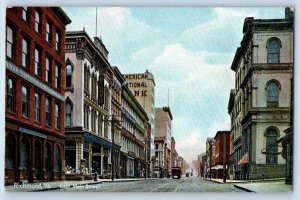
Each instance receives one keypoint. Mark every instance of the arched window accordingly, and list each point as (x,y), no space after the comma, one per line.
(57,159)
(68,76)
(10,153)
(48,157)
(10,95)
(273,46)
(24,153)
(271,146)
(272,94)
(69,111)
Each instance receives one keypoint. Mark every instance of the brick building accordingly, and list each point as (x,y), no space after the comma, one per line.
(35,87)
(222,145)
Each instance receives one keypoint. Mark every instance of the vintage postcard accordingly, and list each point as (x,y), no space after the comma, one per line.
(149,99)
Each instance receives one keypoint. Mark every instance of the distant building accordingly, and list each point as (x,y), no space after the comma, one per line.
(162,140)
(260,104)
(210,155)
(221,153)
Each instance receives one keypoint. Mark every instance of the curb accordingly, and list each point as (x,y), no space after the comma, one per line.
(242,188)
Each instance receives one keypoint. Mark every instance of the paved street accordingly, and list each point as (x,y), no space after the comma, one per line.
(191,184)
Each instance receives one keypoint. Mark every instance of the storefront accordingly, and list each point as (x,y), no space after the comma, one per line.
(31,155)
(86,154)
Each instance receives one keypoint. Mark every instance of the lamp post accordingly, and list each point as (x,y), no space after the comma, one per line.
(113,121)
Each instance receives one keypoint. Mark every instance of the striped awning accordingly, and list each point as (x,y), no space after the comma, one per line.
(244,160)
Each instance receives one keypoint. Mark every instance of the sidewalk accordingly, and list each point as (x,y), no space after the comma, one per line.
(265,187)
(55,185)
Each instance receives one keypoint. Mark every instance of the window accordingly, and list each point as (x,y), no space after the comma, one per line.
(57,77)
(273,47)
(69,76)
(100,123)
(273,92)
(25,101)
(57,41)
(57,116)
(86,79)
(48,111)
(68,114)
(86,117)
(37,105)
(10,95)
(10,45)
(24,13)
(271,146)
(37,24)
(37,62)
(48,70)
(48,32)
(25,56)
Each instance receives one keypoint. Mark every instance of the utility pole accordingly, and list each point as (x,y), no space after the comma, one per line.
(224,157)
(210,154)
(112,149)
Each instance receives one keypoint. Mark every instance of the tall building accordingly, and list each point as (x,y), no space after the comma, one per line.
(88,107)
(35,88)
(163,141)
(142,87)
(260,104)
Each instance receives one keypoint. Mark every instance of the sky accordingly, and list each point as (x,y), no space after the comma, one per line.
(189,50)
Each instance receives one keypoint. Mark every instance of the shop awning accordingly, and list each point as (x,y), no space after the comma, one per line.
(244,160)
(218,167)
(96,139)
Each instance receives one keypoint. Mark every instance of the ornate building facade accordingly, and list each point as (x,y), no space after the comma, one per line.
(260,104)
(88,107)
(35,87)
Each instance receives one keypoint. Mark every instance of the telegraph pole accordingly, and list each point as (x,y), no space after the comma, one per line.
(224,157)
(112,149)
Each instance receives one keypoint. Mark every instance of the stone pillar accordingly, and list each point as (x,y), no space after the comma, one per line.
(79,155)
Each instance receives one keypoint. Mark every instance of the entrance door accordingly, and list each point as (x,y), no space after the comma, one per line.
(37,160)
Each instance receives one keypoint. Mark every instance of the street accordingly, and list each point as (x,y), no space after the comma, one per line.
(190,184)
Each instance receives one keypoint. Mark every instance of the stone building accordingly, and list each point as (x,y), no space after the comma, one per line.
(35,88)
(162,140)
(134,125)
(142,87)
(260,104)
(88,107)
